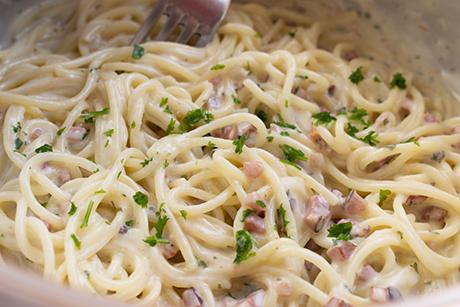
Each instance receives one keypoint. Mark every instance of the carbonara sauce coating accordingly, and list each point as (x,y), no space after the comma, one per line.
(281,165)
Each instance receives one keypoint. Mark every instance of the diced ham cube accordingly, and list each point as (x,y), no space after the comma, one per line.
(354,204)
(366,273)
(58,175)
(336,302)
(251,202)
(76,135)
(429,118)
(233,132)
(383,295)
(415,200)
(191,298)
(255,299)
(317,213)
(253,169)
(254,224)
(433,213)
(35,134)
(341,252)
(168,250)
(284,287)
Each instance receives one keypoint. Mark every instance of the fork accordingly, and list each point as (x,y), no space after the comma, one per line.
(195,17)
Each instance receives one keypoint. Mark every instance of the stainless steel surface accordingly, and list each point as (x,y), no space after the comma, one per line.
(201,17)
(424,27)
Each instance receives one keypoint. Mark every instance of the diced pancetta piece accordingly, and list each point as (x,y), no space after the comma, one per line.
(254,224)
(415,200)
(376,165)
(350,55)
(233,132)
(35,134)
(341,252)
(255,299)
(214,103)
(58,175)
(383,295)
(433,213)
(317,213)
(336,302)
(191,298)
(75,135)
(168,250)
(284,287)
(253,169)
(429,118)
(366,273)
(251,202)
(354,204)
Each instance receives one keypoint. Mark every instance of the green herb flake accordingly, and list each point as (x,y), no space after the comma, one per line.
(171,126)
(239,143)
(218,67)
(109,133)
(194,117)
(412,140)
(89,117)
(303,77)
(282,214)
(146,162)
(100,192)
(44,148)
(358,114)
(60,131)
(377,79)
(87,215)
(119,174)
(18,143)
(211,146)
(246,213)
(292,154)
(262,115)
(260,203)
(75,240)
(236,100)
(138,52)
(398,81)
(72,209)
(383,195)
(357,75)
(129,223)
(270,138)
(286,103)
(323,118)
(284,133)
(141,199)
(153,240)
(341,231)
(290,164)
(281,123)
(370,138)
(133,125)
(164,102)
(17,128)
(184,214)
(292,34)
(244,246)
(201,263)
(351,130)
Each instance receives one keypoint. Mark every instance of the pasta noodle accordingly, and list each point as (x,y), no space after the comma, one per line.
(279,166)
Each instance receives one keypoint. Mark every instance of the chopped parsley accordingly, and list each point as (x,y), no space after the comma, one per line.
(138,52)
(262,115)
(141,199)
(358,114)
(270,138)
(286,103)
(60,131)
(146,162)
(17,128)
(201,263)
(100,192)
(109,133)
(18,143)
(90,116)
(244,246)
(44,148)
(184,214)
(236,100)
(370,138)
(164,105)
(292,33)
(303,77)
(171,126)
(281,123)
(412,140)
(194,117)
(341,231)
(323,118)
(282,214)
(129,223)
(377,79)
(260,203)
(398,81)
(218,67)
(246,214)
(357,76)
(75,240)
(72,209)
(351,130)
(162,219)
(239,143)
(211,145)
(87,215)
(133,125)
(383,195)
(284,133)
(292,154)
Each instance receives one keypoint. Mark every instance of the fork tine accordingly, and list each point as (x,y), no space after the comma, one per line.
(170,25)
(187,32)
(150,21)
